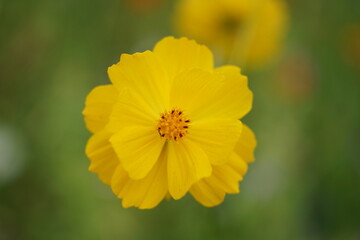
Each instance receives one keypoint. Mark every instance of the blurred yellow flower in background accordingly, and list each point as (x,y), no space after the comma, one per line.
(247,32)
(169,124)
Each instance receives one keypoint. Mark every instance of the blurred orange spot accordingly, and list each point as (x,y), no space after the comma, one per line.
(296,76)
(351,45)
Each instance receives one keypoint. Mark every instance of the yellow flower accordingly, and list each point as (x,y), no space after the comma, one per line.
(168,124)
(242,31)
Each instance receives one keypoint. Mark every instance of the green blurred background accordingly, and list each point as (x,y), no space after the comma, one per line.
(304,184)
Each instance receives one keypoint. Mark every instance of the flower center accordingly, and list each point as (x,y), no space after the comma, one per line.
(173,125)
(230,25)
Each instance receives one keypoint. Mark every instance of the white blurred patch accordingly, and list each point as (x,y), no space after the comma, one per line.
(12,154)
(267,181)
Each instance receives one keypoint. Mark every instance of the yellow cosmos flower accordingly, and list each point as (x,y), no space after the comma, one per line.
(242,31)
(169,124)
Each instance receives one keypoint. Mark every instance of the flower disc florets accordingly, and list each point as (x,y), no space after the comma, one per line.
(173,125)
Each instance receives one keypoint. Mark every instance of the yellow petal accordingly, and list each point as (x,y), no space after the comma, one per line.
(131,109)
(236,100)
(217,137)
(224,179)
(138,149)
(238,164)
(98,106)
(181,54)
(246,145)
(222,94)
(187,163)
(102,156)
(206,194)
(195,90)
(143,73)
(145,193)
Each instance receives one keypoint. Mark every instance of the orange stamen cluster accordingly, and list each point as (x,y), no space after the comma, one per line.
(173,125)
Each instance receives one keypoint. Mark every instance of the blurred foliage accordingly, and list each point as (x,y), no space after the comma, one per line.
(304,183)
